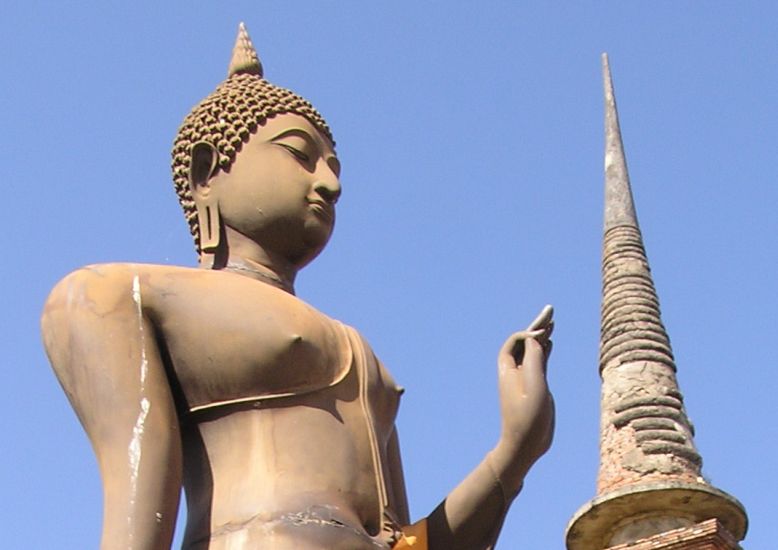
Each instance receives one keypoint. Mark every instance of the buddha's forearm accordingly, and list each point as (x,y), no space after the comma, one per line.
(140,461)
(471,516)
(141,490)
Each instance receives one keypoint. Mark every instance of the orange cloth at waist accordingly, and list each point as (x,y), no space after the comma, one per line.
(414,537)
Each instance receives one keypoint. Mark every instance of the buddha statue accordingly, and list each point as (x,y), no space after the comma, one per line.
(277,421)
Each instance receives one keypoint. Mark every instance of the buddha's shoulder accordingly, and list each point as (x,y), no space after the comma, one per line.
(119,274)
(104,285)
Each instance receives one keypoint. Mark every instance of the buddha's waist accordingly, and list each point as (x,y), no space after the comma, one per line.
(316,527)
(277,462)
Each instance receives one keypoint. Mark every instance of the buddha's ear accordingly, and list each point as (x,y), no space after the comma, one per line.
(201,168)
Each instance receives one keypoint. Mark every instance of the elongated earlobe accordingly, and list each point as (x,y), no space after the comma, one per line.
(201,168)
(210,224)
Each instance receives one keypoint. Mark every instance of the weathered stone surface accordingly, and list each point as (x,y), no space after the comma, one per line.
(706,535)
(659,400)
(662,435)
(653,424)
(634,513)
(649,480)
(636,358)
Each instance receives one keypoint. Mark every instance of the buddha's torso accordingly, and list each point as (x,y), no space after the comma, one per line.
(285,413)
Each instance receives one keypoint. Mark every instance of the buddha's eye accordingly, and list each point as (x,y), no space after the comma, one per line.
(298,147)
(296,152)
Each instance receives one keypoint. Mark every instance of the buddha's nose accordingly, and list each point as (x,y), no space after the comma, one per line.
(328,189)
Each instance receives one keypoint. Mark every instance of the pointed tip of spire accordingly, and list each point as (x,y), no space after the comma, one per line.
(619,206)
(610,99)
(606,78)
(244,57)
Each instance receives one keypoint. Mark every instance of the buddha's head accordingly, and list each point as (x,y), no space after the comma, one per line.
(216,134)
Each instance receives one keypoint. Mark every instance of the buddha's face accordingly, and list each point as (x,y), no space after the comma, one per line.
(281,190)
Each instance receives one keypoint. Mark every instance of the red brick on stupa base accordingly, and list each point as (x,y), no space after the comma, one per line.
(706,535)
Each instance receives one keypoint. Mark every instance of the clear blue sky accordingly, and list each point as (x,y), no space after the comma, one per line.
(471,141)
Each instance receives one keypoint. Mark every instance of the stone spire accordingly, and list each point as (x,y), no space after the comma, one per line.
(244,57)
(619,206)
(650,481)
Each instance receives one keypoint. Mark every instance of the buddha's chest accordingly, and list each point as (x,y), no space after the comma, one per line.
(236,339)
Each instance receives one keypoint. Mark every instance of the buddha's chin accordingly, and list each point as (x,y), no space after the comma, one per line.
(315,241)
(317,234)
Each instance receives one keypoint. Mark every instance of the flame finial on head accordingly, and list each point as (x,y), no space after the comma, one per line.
(244,57)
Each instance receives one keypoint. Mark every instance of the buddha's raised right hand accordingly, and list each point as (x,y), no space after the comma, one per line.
(526,404)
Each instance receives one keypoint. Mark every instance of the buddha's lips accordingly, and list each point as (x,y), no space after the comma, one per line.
(323,209)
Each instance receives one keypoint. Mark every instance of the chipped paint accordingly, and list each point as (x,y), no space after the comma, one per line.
(144,364)
(135,444)
(135,448)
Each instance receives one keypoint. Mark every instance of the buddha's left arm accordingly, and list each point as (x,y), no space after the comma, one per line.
(472,515)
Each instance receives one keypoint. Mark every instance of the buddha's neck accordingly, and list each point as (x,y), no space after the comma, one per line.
(246,257)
